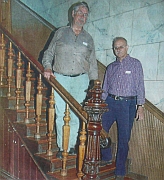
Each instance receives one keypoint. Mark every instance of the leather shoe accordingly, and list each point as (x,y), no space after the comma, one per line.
(119,177)
(104,163)
(72,151)
(59,154)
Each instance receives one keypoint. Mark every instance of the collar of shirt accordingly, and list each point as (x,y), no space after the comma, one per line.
(125,59)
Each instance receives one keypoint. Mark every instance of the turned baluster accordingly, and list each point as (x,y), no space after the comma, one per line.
(95,107)
(66,135)
(10,68)
(38,106)
(2,59)
(18,80)
(82,148)
(28,92)
(51,116)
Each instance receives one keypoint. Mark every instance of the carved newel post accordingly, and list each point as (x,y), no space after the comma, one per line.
(95,107)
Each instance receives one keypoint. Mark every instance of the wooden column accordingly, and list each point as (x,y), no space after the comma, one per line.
(10,68)
(38,106)
(95,107)
(66,135)
(51,116)
(82,148)
(28,92)
(18,80)
(2,59)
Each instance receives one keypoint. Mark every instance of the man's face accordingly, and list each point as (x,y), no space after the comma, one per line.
(120,49)
(80,16)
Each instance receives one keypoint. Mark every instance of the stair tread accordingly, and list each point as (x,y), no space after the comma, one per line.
(41,140)
(71,173)
(31,124)
(23,110)
(53,157)
(105,168)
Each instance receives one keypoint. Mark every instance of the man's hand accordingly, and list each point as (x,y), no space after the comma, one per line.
(140,113)
(48,73)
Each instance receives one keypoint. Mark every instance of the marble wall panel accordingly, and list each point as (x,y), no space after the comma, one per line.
(98,10)
(61,18)
(144,3)
(110,57)
(101,55)
(104,30)
(119,7)
(160,73)
(148,24)
(147,54)
(154,93)
(99,32)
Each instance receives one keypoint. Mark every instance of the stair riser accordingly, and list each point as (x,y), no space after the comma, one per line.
(40,148)
(12,103)
(48,166)
(31,131)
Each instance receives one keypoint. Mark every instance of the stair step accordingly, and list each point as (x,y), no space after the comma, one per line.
(28,130)
(12,102)
(53,164)
(18,115)
(38,146)
(71,175)
(106,168)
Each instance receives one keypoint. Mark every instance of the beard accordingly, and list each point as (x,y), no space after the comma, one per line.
(80,22)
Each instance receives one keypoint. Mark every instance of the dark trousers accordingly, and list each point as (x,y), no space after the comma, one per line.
(123,112)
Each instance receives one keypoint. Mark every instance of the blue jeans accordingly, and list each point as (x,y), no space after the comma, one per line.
(76,86)
(123,112)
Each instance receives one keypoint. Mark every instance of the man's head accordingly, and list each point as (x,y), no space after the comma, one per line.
(120,47)
(80,12)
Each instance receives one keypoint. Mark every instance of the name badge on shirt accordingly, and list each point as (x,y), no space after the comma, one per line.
(127,72)
(86,44)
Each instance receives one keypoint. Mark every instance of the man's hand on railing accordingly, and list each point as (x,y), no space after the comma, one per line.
(48,73)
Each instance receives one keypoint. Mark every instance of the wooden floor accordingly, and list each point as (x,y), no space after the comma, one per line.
(72,173)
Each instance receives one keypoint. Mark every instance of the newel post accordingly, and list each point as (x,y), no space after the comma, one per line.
(95,107)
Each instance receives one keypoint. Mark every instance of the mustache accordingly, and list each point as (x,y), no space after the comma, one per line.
(81,19)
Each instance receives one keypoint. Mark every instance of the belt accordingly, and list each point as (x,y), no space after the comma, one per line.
(74,75)
(121,97)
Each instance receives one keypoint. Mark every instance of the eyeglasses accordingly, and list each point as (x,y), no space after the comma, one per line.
(120,47)
(80,13)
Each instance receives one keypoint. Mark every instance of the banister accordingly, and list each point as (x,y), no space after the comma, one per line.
(154,110)
(77,108)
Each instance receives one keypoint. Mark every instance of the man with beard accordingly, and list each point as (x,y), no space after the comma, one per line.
(72,53)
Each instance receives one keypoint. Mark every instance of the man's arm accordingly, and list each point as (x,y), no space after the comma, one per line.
(140,93)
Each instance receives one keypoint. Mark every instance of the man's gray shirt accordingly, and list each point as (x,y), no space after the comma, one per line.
(71,54)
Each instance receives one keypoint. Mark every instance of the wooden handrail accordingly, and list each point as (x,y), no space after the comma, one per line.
(74,105)
(154,110)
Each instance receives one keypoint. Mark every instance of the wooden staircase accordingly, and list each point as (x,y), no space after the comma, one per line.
(20,114)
